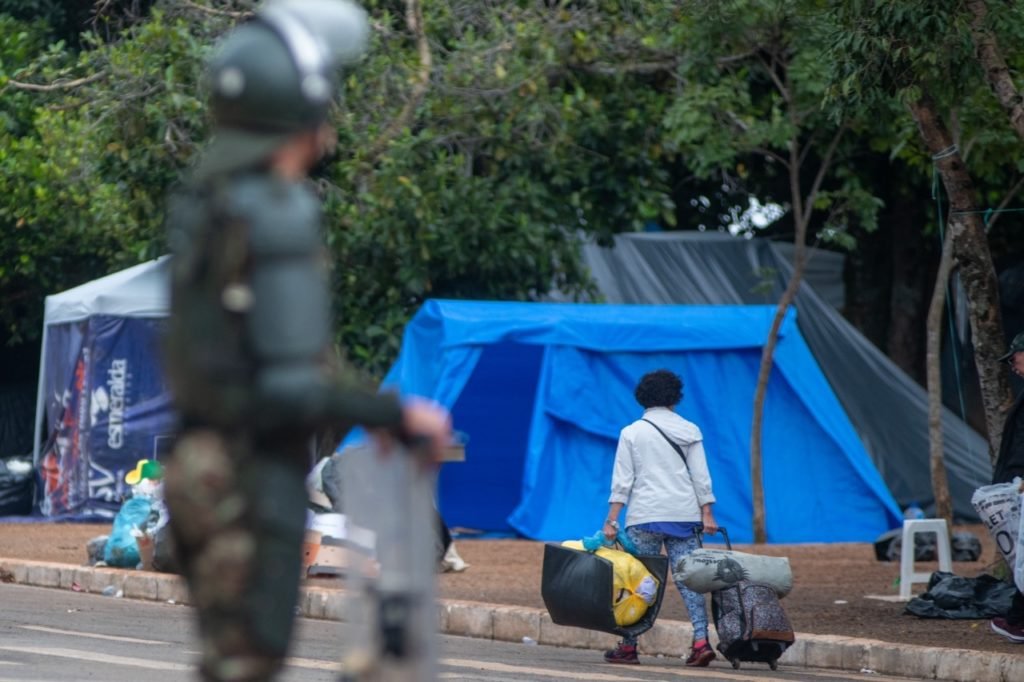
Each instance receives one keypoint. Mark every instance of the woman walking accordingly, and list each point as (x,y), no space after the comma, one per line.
(661,476)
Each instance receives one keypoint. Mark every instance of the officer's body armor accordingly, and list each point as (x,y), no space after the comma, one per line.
(246,359)
(250,336)
(250,324)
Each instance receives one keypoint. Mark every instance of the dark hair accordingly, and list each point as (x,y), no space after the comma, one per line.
(660,388)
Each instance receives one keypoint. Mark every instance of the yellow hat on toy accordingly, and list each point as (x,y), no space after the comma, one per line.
(144,469)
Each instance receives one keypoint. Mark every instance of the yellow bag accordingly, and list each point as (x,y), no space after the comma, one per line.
(634,588)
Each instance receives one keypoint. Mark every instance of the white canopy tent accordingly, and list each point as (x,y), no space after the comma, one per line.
(141,291)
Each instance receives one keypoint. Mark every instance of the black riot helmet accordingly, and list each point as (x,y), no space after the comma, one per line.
(276,76)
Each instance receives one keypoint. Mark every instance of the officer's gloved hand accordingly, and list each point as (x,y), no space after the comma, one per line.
(426,428)
(425,431)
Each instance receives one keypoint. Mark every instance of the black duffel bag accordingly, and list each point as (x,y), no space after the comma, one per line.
(577,588)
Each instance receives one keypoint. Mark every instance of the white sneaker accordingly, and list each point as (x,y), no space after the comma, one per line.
(452,562)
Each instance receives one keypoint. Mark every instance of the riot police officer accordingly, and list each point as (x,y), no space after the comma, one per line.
(250,333)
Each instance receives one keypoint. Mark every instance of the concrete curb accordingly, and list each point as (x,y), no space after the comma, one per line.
(514,623)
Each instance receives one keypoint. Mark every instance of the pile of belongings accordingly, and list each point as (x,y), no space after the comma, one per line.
(745,589)
(328,535)
(999,508)
(965,546)
(634,588)
(956,597)
(600,585)
(140,537)
(710,570)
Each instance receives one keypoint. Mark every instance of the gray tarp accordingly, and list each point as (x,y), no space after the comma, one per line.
(887,408)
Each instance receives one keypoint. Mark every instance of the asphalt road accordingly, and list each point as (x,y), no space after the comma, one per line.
(49,635)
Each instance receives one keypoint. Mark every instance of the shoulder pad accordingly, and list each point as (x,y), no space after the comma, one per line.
(282,217)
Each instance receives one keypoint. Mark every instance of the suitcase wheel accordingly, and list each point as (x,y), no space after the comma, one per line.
(774,665)
(735,664)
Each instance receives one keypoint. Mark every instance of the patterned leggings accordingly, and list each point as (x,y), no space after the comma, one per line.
(650,543)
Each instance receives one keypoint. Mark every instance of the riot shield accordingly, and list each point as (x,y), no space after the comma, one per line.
(388,503)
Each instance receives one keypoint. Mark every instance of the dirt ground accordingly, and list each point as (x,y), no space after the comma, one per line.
(828,597)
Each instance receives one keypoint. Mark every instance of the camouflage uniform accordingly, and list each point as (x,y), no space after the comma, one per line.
(249,338)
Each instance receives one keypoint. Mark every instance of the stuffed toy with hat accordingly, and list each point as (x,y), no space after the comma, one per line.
(146,478)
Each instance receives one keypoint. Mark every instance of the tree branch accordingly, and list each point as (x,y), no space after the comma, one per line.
(807,147)
(1004,203)
(801,219)
(940,481)
(414,20)
(742,127)
(779,85)
(641,68)
(795,193)
(826,162)
(725,61)
(217,12)
(57,85)
(769,154)
(997,73)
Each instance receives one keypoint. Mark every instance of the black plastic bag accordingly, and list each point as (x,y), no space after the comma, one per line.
(577,590)
(889,545)
(165,558)
(966,546)
(955,597)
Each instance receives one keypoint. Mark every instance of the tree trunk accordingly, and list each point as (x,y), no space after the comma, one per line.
(799,262)
(997,73)
(970,248)
(802,208)
(940,482)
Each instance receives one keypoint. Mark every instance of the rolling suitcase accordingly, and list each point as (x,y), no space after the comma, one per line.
(752,626)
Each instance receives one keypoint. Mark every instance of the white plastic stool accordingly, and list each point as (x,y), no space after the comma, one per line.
(912,527)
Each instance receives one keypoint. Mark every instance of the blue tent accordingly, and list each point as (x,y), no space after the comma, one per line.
(542,390)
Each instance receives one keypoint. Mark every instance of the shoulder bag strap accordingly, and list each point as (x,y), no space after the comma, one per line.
(675,445)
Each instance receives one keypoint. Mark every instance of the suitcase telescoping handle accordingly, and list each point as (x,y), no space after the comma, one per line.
(722,530)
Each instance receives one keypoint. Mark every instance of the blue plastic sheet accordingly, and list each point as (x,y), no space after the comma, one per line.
(543,389)
(122,549)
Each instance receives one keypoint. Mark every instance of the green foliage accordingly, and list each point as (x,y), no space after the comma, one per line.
(884,55)
(541,124)
(518,146)
(83,170)
(527,137)
(750,110)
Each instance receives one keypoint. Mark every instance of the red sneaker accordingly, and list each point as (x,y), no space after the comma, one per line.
(701,657)
(623,653)
(1014,633)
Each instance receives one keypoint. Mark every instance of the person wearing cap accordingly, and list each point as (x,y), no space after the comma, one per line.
(248,341)
(1009,465)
